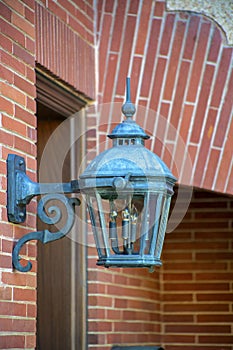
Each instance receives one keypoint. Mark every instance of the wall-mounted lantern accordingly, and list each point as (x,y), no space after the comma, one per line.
(128,190)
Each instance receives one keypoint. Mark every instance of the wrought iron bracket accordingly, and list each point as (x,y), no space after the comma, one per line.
(21,189)
(46,236)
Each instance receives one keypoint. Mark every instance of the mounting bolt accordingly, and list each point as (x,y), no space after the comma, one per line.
(21,162)
(21,215)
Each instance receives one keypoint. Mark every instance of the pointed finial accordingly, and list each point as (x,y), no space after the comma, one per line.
(128,108)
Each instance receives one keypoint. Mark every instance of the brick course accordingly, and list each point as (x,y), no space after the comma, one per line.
(65,55)
(198,289)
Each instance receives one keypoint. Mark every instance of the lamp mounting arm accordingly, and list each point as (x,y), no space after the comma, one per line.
(21,189)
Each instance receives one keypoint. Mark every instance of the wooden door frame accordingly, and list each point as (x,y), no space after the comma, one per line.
(63,99)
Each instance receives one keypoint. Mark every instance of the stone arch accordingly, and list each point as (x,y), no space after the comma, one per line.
(220,11)
(181,69)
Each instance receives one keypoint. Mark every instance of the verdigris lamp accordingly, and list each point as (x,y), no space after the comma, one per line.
(128,191)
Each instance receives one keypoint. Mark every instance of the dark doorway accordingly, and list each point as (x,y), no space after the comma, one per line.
(61,291)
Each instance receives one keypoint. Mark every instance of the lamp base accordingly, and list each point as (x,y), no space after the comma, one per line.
(129,261)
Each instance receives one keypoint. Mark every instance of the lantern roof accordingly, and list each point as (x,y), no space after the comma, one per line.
(135,160)
(128,156)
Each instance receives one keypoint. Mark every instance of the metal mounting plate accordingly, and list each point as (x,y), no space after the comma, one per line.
(16,212)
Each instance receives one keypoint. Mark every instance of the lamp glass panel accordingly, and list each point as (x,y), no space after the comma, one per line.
(130,224)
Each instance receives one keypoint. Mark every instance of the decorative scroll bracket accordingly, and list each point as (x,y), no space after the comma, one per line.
(20,188)
(20,191)
(46,236)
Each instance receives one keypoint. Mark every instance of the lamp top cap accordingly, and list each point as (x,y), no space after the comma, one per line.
(128,128)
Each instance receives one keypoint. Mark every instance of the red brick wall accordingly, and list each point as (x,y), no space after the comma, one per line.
(124,307)
(180,69)
(196,277)
(188,303)
(17,135)
(58,36)
(64,43)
